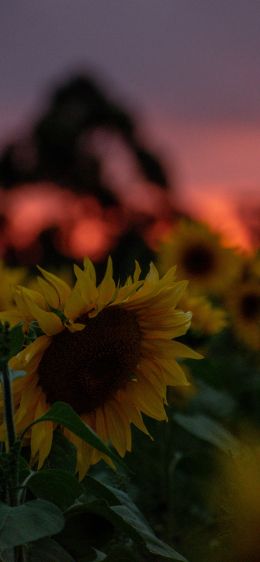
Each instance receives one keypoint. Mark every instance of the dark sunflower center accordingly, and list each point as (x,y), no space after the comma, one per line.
(86,368)
(250,306)
(198,259)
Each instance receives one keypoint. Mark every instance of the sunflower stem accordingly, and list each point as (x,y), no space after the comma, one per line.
(8,407)
(9,416)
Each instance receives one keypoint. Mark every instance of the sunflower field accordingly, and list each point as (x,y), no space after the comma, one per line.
(129,350)
(130,406)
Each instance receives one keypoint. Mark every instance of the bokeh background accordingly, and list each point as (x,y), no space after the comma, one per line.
(117,121)
(173,126)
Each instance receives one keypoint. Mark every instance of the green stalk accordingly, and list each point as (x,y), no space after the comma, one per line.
(9,415)
(12,448)
(8,407)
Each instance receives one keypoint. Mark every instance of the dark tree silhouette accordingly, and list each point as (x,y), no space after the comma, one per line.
(59,149)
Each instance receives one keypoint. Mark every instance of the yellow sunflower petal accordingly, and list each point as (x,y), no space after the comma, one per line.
(137,272)
(12,316)
(49,322)
(122,417)
(115,429)
(24,358)
(147,400)
(182,350)
(101,427)
(89,268)
(172,373)
(61,287)
(29,400)
(107,287)
(75,305)
(132,412)
(86,286)
(49,293)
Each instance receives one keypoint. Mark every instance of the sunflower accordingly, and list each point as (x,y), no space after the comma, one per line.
(251,267)
(200,257)
(206,318)
(243,304)
(106,350)
(237,493)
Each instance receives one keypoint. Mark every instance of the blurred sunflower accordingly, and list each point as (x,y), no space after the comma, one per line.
(237,493)
(200,257)
(9,278)
(243,304)
(106,350)
(251,267)
(206,318)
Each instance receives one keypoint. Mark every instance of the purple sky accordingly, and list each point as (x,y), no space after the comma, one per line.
(191,66)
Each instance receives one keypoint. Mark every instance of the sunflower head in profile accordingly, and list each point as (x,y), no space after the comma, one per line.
(243,304)
(206,318)
(106,350)
(200,257)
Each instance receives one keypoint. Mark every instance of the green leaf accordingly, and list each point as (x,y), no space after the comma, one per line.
(212,401)
(124,514)
(16,339)
(63,414)
(100,490)
(28,522)
(55,485)
(23,468)
(47,550)
(7,556)
(208,430)
(131,521)
(11,341)
(63,453)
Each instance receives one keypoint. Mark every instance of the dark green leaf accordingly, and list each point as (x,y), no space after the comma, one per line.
(131,521)
(7,556)
(213,402)
(24,468)
(28,522)
(129,518)
(63,414)
(47,550)
(63,453)
(208,430)
(55,485)
(119,508)
(100,490)
(16,339)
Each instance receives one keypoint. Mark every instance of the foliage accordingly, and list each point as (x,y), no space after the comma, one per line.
(48,514)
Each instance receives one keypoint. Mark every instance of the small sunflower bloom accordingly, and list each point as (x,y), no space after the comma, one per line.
(201,258)
(207,319)
(107,350)
(243,305)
